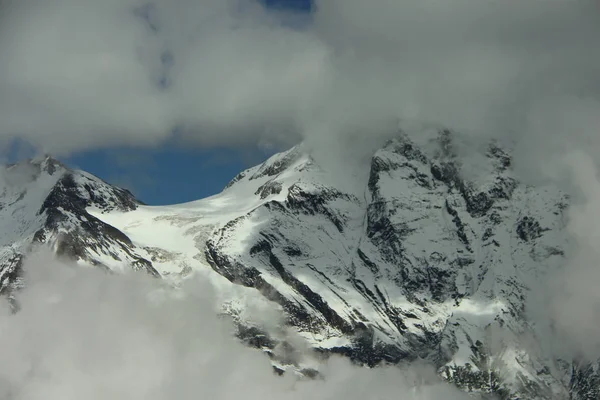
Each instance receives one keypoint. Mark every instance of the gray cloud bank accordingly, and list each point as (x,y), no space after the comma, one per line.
(566,304)
(84,334)
(79,74)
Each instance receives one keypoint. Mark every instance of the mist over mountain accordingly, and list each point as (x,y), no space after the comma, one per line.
(429,231)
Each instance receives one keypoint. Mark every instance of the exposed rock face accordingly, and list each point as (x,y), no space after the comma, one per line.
(417,262)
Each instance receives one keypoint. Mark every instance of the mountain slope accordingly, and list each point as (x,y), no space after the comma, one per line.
(415,262)
(44,202)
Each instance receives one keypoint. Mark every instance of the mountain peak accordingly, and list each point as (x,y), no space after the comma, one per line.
(48,164)
(44,202)
(418,261)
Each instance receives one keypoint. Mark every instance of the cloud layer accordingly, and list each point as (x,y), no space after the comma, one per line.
(82,74)
(81,333)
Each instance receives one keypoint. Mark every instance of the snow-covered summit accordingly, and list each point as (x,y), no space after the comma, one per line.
(44,202)
(418,262)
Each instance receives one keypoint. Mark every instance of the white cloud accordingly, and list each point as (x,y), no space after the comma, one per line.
(82,333)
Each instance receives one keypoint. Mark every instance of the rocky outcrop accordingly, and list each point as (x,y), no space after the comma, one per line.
(421,250)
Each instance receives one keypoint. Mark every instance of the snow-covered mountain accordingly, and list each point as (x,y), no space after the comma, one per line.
(413,262)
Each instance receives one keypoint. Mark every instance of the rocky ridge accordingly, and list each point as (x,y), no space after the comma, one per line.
(415,263)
